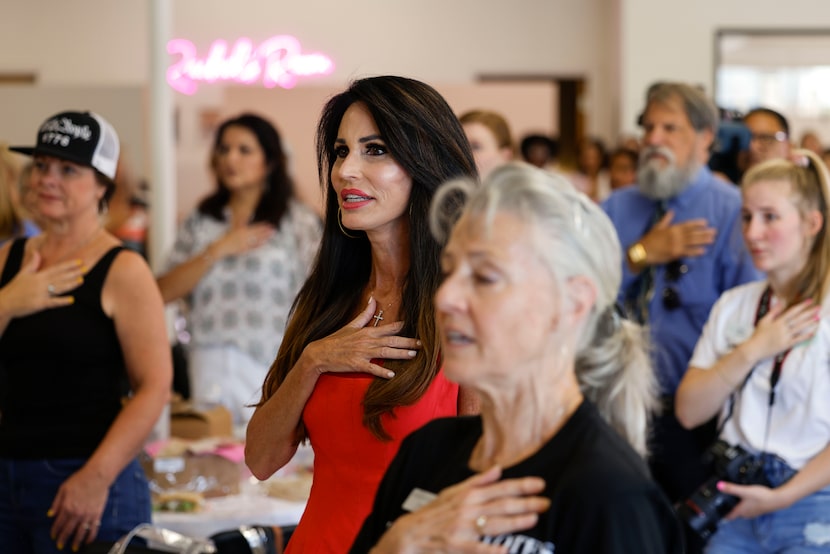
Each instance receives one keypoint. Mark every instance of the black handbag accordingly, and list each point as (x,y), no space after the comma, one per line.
(150,539)
(253,539)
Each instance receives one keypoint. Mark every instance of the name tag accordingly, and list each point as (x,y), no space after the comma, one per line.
(418,498)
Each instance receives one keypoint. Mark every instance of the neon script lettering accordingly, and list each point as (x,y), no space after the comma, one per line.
(278,61)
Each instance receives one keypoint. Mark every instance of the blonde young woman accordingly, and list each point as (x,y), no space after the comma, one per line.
(527,319)
(12,220)
(490,138)
(85,366)
(761,365)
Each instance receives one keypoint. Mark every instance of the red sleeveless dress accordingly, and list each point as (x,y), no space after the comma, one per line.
(349,461)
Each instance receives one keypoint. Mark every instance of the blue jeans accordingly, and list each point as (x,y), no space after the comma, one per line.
(28,487)
(803,528)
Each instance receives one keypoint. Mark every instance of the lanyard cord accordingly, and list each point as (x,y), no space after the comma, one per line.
(775,375)
(778,363)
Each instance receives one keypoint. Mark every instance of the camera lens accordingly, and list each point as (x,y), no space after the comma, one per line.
(705,508)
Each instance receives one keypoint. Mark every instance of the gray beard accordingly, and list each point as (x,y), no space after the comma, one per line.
(668,182)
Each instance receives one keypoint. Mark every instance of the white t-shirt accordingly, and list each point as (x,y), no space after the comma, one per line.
(800,420)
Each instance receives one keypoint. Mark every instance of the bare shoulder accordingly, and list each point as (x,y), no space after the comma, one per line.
(129,281)
(130,260)
(129,269)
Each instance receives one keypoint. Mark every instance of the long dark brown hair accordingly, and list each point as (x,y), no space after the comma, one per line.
(278,187)
(426,139)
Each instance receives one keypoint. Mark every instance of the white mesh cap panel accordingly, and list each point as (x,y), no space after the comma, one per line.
(105,157)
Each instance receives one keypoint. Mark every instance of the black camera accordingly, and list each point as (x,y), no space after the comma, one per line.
(732,139)
(704,509)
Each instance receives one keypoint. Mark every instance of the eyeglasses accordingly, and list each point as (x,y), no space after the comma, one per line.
(766,139)
(671,297)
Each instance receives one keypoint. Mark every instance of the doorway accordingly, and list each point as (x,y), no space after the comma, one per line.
(570,119)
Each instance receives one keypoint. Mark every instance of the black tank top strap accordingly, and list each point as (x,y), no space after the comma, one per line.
(95,277)
(13,261)
(106,260)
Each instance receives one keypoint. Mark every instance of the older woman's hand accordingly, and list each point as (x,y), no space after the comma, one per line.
(352,348)
(461,514)
(33,290)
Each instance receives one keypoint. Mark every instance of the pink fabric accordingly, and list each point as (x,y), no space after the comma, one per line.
(233,451)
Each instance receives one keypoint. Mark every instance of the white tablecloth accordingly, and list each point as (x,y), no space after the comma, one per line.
(229,512)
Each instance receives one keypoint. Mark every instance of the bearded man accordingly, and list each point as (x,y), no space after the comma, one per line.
(681,229)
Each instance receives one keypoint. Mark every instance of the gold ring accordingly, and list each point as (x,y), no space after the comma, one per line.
(481,521)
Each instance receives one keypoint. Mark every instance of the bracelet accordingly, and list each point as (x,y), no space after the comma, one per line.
(636,254)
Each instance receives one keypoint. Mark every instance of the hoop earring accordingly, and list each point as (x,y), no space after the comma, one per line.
(340,224)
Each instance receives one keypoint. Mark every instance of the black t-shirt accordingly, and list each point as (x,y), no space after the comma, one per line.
(602,498)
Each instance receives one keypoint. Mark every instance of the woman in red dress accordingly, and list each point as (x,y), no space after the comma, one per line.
(358,368)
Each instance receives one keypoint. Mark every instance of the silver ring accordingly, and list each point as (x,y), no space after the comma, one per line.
(87,526)
(50,288)
(481,521)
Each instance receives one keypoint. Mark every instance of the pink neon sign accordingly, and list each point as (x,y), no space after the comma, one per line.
(278,61)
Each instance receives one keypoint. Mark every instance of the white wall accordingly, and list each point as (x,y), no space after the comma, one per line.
(619,46)
(675,40)
(84,42)
(105,42)
(24,108)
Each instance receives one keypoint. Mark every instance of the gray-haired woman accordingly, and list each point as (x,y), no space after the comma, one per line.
(527,319)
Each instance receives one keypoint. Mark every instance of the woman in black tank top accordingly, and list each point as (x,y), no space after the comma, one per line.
(81,327)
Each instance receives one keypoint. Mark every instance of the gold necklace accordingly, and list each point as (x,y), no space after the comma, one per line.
(378,317)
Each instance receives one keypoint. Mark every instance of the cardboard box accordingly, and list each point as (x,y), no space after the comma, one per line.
(190,422)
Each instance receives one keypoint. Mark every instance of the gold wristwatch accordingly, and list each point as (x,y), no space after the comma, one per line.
(636,254)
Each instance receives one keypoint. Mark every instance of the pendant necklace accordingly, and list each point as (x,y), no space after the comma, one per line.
(378,317)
